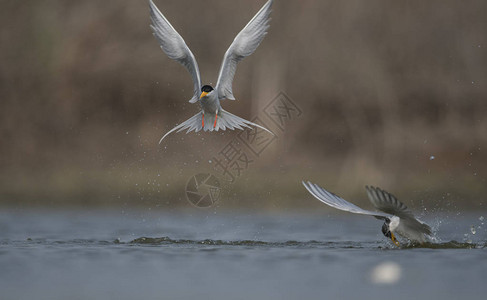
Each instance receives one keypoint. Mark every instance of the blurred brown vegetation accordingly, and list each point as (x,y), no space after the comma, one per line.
(86,94)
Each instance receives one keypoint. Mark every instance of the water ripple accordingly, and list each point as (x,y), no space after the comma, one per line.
(306,244)
(167,241)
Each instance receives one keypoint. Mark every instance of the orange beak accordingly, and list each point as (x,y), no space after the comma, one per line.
(203,94)
(394,240)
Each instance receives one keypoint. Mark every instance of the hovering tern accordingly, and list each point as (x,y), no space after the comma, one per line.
(398,219)
(212,116)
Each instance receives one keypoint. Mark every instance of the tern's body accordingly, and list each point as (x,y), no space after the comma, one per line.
(212,116)
(398,219)
(210,106)
(400,227)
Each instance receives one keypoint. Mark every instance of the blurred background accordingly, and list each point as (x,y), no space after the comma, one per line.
(392,94)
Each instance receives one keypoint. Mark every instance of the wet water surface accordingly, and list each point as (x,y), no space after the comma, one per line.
(105,254)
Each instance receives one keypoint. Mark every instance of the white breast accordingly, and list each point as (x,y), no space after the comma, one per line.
(400,228)
(395,222)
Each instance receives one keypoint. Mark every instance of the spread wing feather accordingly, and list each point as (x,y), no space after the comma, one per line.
(386,202)
(338,202)
(174,46)
(243,45)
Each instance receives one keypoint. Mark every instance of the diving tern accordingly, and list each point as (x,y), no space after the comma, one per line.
(398,219)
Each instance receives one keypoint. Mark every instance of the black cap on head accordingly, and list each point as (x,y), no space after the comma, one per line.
(206,88)
(385,230)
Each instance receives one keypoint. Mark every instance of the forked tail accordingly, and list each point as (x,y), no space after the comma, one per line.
(193,123)
(224,120)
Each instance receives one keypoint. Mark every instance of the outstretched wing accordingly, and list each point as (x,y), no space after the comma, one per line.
(339,203)
(387,203)
(174,46)
(243,45)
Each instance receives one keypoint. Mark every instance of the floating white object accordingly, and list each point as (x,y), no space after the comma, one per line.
(386,273)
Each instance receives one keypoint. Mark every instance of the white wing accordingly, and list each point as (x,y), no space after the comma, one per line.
(339,203)
(243,45)
(174,46)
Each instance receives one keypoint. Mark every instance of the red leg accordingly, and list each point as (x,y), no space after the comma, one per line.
(214,124)
(203,120)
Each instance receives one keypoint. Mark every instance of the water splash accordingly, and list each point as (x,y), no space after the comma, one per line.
(473,230)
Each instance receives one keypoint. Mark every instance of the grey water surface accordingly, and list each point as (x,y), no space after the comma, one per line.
(208,254)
